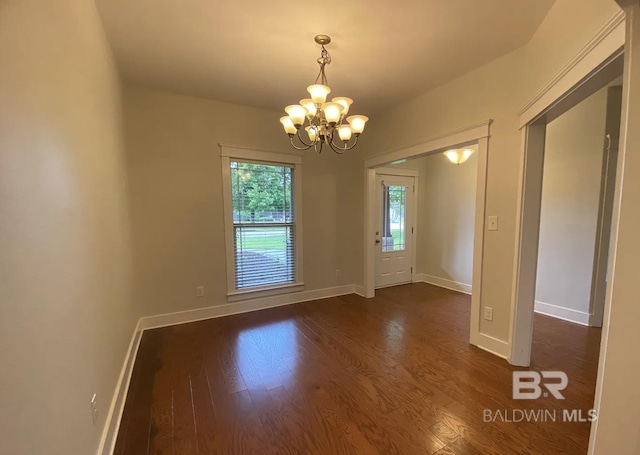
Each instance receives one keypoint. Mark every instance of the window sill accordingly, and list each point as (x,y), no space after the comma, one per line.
(265,291)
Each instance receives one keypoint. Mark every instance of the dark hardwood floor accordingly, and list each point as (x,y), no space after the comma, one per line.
(390,375)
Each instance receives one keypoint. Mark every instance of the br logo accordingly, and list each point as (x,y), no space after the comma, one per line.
(527,385)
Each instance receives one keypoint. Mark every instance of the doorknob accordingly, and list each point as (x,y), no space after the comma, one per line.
(377,241)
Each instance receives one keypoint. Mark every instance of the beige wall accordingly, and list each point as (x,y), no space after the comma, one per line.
(447,219)
(617,430)
(176,196)
(66,314)
(496,90)
(574,149)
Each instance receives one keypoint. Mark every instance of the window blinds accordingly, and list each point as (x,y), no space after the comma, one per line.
(263,224)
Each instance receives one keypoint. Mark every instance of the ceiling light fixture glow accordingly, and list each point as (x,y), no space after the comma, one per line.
(458,156)
(326,121)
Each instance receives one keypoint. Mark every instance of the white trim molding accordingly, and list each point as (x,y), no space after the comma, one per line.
(359,290)
(605,43)
(253,153)
(443,283)
(492,345)
(478,241)
(114,416)
(293,160)
(245,306)
(268,291)
(369,236)
(398,172)
(459,136)
(566,314)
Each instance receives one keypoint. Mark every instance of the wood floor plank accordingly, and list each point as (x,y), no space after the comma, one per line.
(347,375)
(207,427)
(183,408)
(161,433)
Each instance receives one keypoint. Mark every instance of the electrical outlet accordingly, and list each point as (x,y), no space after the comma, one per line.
(94,408)
(200,291)
(338,273)
(488,313)
(493,223)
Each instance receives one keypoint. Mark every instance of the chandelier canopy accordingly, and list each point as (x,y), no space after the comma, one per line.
(326,121)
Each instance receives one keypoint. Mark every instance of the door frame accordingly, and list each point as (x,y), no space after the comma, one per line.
(603,231)
(392,172)
(572,84)
(476,133)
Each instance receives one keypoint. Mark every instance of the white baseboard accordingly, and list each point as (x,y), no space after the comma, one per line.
(357,289)
(566,314)
(227,309)
(442,282)
(114,416)
(492,345)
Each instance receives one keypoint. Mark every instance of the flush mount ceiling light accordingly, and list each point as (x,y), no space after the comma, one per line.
(326,121)
(458,156)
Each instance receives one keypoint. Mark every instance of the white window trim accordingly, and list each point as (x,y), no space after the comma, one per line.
(229,153)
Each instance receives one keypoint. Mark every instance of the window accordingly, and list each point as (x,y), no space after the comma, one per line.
(263,224)
(394,208)
(262,221)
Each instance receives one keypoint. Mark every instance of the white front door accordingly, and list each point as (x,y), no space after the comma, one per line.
(394,230)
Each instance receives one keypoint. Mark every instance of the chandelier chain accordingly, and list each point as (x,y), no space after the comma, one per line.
(324,60)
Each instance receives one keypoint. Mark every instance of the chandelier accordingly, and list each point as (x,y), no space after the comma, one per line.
(326,121)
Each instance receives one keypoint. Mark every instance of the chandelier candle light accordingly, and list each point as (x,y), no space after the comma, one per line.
(327,121)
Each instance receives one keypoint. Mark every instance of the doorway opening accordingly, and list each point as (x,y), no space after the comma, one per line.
(396,237)
(565,225)
(578,183)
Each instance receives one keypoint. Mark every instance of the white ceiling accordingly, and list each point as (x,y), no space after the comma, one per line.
(261,53)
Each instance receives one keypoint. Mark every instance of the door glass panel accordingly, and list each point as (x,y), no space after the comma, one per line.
(394,205)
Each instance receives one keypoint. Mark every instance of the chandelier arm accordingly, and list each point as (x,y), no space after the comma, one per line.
(336,147)
(305,147)
(303,142)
